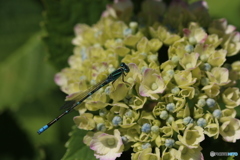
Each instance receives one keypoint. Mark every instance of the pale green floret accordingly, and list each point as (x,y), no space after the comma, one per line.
(170,107)
(217,113)
(192,40)
(169,143)
(143,54)
(170,72)
(153,57)
(204,58)
(146,145)
(170,119)
(98,33)
(161,102)
(201,122)
(146,128)
(111,69)
(133,25)
(143,69)
(187,120)
(97,45)
(155,129)
(129,113)
(204,81)
(201,102)
(210,102)
(206,67)
(154,86)
(167,78)
(103,112)
(138,102)
(119,40)
(101,127)
(164,115)
(175,90)
(189,48)
(117,120)
(93,82)
(111,142)
(189,65)
(175,59)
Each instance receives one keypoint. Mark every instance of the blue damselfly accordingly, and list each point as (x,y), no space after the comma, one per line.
(78,99)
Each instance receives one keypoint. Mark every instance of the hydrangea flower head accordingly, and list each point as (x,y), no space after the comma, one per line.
(178,90)
(105,146)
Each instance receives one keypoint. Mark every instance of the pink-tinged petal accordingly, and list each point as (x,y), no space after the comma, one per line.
(189,61)
(152,84)
(230,29)
(134,76)
(186,32)
(230,129)
(72,96)
(92,146)
(143,90)
(121,9)
(204,39)
(195,34)
(107,147)
(110,156)
(109,11)
(236,37)
(60,80)
(189,153)
(103,134)
(201,157)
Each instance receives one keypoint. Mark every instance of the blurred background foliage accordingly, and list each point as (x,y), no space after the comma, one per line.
(35,43)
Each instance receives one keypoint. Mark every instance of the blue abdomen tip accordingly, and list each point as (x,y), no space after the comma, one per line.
(42,129)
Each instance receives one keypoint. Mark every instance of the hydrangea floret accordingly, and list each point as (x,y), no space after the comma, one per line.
(179,88)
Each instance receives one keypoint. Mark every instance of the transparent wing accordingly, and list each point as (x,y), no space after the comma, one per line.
(78,96)
(67,105)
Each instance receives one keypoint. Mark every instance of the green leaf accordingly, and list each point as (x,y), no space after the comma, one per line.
(60,18)
(19,20)
(230,158)
(36,113)
(77,150)
(24,74)
(230,8)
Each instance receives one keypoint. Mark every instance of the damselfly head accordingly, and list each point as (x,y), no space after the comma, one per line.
(125,67)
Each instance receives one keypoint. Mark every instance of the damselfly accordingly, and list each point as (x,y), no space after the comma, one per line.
(78,99)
